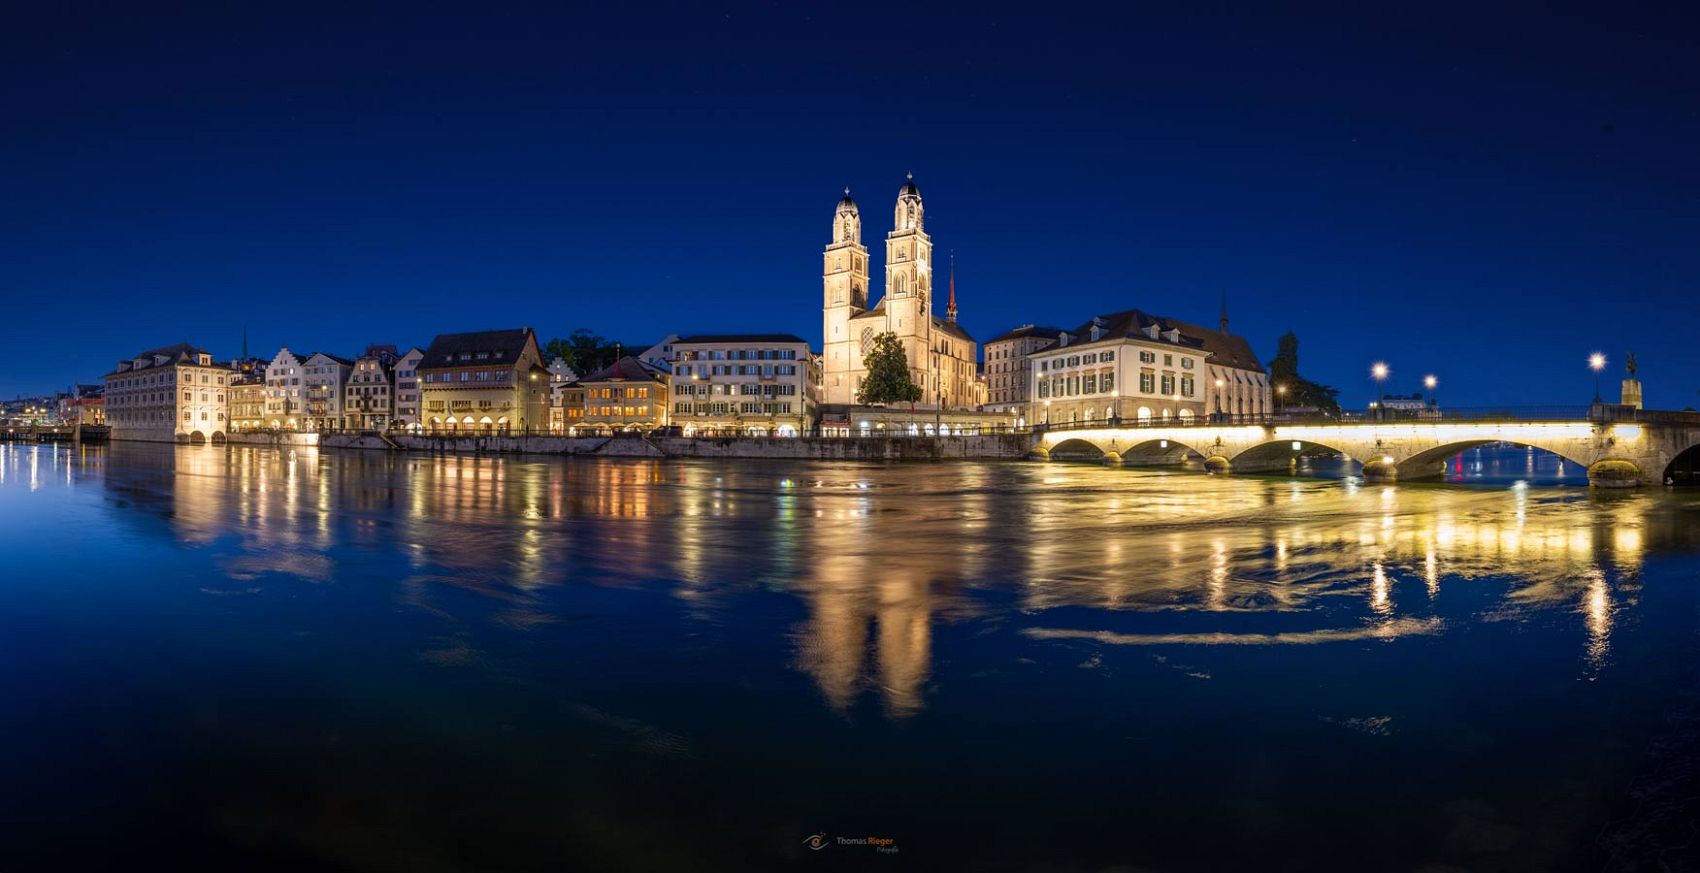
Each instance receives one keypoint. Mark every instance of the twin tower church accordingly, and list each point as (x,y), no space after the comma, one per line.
(941,354)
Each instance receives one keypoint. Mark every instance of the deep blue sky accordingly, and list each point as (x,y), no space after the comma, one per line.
(1486,196)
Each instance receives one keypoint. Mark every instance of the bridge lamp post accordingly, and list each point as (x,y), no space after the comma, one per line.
(1280,398)
(1379,371)
(1430,382)
(1596,362)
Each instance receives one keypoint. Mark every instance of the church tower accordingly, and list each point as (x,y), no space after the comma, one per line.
(908,287)
(845,282)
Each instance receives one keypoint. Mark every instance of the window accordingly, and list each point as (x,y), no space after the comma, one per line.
(1147,382)
(1186,386)
(1186,363)
(1168,383)
(1148,357)
(1107,381)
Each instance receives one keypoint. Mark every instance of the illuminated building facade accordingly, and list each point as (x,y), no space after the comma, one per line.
(1009,372)
(942,356)
(625,396)
(744,384)
(170,394)
(489,381)
(1132,366)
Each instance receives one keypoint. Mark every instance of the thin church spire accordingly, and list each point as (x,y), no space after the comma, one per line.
(950,308)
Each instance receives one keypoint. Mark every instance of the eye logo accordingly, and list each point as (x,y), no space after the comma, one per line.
(816,842)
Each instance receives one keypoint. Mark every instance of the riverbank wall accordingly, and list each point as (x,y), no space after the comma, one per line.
(1009,446)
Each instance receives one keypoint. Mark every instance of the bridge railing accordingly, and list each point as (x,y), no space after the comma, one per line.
(1573,412)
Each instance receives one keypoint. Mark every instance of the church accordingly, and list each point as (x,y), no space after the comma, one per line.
(941,354)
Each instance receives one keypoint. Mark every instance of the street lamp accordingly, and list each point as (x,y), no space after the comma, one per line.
(1596,362)
(1280,398)
(1430,382)
(1379,371)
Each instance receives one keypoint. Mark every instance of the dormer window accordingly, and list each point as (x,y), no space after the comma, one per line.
(1151,331)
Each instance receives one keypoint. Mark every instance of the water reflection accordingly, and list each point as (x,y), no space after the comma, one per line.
(879,557)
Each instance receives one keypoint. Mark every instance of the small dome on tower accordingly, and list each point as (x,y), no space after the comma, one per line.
(847,204)
(909,189)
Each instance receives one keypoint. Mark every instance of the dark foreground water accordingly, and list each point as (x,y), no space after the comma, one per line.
(248,659)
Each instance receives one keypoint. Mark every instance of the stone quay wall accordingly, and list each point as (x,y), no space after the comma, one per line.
(979,447)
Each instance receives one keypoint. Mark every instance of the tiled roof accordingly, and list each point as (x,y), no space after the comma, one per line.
(951,328)
(626,369)
(1027,331)
(1225,349)
(740,338)
(500,346)
(171,353)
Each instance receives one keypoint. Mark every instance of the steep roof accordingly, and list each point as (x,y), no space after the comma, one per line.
(1225,349)
(172,354)
(498,346)
(626,369)
(338,358)
(951,328)
(740,338)
(1025,331)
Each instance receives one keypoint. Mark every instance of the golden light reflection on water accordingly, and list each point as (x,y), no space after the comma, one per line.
(881,557)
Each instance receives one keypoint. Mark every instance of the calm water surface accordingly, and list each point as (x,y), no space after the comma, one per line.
(362,661)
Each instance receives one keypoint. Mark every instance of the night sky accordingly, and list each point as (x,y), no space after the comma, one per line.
(1485,196)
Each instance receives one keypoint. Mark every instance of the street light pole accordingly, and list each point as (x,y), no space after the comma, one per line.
(1597,362)
(1379,371)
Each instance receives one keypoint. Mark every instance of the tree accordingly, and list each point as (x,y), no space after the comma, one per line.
(1284,372)
(888,374)
(583,350)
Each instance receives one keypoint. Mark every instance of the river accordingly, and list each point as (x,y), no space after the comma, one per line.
(268,659)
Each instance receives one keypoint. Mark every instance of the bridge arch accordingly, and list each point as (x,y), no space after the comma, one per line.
(1430,463)
(197,438)
(1684,468)
(1160,452)
(1287,454)
(1077,449)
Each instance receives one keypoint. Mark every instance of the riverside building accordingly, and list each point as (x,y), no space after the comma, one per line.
(760,384)
(1138,367)
(490,381)
(170,394)
(1009,372)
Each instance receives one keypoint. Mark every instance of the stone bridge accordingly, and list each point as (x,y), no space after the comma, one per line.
(1619,446)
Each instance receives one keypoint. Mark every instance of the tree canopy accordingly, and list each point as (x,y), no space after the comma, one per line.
(888,378)
(1284,372)
(583,350)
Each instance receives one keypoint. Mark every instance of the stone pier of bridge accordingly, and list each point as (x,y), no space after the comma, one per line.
(1617,452)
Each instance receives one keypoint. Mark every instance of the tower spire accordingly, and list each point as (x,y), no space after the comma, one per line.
(950,308)
(1224,312)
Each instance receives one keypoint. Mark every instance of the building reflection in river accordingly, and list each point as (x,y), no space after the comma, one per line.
(881,557)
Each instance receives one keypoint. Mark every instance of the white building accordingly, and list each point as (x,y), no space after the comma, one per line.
(368,398)
(1137,367)
(407,389)
(285,400)
(660,355)
(170,394)
(748,384)
(323,378)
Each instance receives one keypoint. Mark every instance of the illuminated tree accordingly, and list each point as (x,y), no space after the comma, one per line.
(888,378)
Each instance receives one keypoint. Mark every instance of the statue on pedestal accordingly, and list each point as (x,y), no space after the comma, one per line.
(1631,385)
